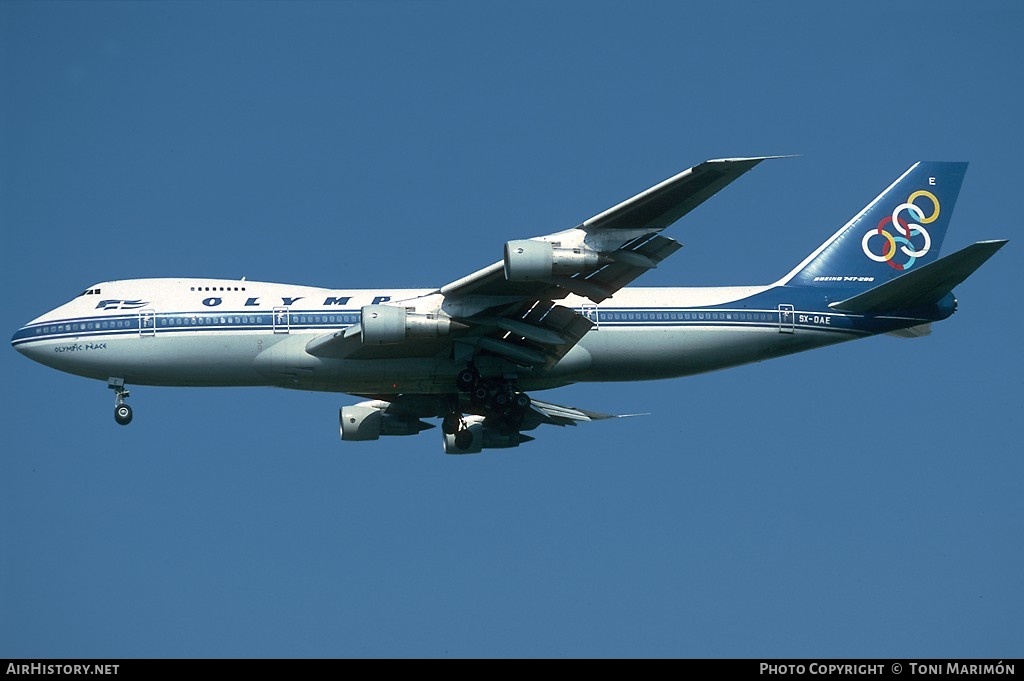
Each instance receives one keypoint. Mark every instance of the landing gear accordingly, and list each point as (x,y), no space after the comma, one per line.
(466,379)
(498,399)
(122,412)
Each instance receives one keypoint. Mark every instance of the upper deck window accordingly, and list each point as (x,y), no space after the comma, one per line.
(212,288)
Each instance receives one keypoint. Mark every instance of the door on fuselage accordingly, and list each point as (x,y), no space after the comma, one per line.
(282,320)
(147,322)
(787,319)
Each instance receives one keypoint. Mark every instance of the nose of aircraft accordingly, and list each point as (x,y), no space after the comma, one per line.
(17,337)
(21,340)
(33,341)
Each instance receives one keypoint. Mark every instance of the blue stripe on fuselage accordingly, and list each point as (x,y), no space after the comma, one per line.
(617,318)
(758,311)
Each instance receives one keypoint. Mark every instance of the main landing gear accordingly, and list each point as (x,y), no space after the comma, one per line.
(122,412)
(497,399)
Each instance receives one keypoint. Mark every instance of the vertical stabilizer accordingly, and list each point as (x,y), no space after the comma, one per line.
(899,231)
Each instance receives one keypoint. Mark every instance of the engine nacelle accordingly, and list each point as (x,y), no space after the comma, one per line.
(384,324)
(360,423)
(475,442)
(494,439)
(481,438)
(529,260)
(363,422)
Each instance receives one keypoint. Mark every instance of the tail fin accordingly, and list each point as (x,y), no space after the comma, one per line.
(900,230)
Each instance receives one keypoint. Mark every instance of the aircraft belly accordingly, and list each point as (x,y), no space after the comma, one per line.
(652,353)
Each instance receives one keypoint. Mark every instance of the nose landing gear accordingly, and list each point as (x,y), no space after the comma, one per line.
(122,412)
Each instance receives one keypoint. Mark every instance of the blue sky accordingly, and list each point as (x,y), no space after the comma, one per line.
(861,500)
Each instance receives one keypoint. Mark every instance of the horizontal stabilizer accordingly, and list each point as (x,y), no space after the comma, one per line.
(922,286)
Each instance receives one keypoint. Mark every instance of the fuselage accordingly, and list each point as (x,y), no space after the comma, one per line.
(205,332)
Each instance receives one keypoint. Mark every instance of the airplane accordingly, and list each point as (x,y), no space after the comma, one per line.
(555,310)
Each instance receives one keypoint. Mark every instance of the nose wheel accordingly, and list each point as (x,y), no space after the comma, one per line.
(122,412)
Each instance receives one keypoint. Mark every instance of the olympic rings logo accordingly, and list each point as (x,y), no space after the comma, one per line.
(905,232)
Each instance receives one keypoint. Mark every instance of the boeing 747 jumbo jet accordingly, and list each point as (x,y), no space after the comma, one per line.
(554,311)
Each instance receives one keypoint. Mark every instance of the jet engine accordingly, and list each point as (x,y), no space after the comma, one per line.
(365,421)
(476,437)
(529,260)
(471,437)
(384,324)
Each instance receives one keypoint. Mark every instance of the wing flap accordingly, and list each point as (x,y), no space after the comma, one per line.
(559,415)
(628,263)
(534,334)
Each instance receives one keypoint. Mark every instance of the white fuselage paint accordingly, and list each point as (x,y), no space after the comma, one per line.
(191,332)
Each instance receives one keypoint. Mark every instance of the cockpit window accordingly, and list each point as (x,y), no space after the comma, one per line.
(91,292)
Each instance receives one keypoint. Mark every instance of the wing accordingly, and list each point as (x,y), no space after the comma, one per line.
(509,309)
(623,241)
